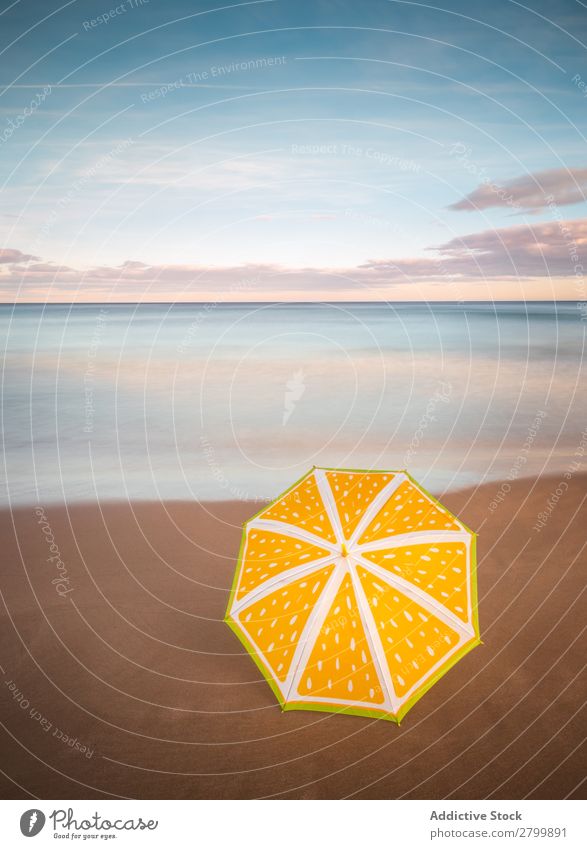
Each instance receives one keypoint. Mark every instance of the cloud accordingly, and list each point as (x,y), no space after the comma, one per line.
(544,251)
(532,192)
(11,255)
(169,168)
(548,249)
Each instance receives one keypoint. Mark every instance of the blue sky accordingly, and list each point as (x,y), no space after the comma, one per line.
(331,150)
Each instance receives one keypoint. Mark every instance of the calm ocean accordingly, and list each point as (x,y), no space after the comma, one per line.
(237,401)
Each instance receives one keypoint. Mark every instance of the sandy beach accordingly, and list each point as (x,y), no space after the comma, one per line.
(120,679)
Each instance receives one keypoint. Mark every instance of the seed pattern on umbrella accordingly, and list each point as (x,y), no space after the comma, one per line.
(354,592)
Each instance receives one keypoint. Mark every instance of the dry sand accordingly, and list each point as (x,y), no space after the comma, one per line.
(136,665)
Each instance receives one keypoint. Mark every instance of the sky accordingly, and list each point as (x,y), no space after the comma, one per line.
(287,150)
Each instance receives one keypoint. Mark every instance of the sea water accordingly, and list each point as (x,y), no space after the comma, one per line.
(236,401)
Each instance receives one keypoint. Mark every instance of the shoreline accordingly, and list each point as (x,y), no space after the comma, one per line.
(569,471)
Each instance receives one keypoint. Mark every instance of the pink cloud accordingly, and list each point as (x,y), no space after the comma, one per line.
(13,255)
(561,186)
(551,249)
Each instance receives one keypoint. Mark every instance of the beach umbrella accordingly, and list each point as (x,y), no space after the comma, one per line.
(355,591)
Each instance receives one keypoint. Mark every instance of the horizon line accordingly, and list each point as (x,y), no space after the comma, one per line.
(283,303)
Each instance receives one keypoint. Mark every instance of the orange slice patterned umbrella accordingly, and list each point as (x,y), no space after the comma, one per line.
(354,592)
